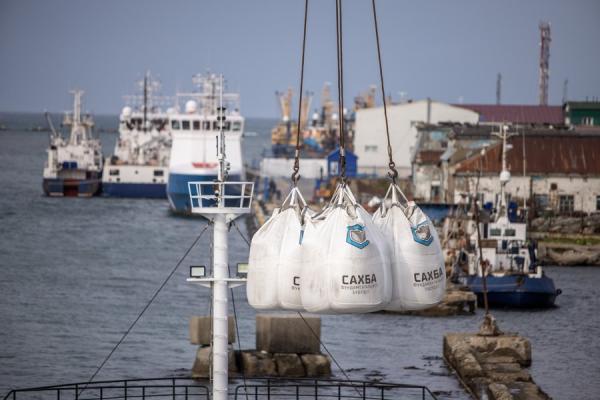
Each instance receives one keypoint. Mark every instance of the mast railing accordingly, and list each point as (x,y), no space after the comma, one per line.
(218,197)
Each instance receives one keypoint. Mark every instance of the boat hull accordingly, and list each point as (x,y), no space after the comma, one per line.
(71,188)
(515,291)
(59,187)
(135,190)
(178,190)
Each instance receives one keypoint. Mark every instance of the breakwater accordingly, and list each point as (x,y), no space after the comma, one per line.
(493,366)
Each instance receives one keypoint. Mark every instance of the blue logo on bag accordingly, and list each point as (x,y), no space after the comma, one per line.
(422,233)
(357,236)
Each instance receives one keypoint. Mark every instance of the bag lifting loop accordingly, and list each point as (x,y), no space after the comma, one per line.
(393,173)
(295,175)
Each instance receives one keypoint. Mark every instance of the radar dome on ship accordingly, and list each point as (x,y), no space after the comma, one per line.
(504,176)
(126,111)
(191,106)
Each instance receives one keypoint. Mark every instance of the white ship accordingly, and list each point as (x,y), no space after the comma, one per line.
(139,166)
(74,164)
(195,130)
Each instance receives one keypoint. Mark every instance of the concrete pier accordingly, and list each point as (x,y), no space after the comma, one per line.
(493,367)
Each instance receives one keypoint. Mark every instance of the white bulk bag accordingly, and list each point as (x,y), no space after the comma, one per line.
(275,259)
(418,270)
(346,260)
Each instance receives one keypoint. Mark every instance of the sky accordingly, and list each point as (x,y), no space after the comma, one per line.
(450,51)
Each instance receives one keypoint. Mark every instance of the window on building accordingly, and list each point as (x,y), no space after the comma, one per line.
(541,201)
(175,124)
(185,125)
(435,193)
(495,232)
(510,232)
(597,203)
(587,121)
(196,125)
(206,125)
(566,203)
(370,148)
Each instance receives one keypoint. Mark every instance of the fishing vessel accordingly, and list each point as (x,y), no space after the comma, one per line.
(194,131)
(74,164)
(139,165)
(512,274)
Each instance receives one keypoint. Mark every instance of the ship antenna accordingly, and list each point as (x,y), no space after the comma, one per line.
(55,134)
(145,110)
(221,145)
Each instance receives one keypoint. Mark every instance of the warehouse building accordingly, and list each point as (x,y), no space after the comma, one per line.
(370,143)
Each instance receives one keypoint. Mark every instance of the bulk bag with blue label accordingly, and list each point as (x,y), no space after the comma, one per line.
(275,258)
(346,260)
(419,274)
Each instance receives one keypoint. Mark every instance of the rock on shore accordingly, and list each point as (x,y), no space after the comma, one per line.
(568,254)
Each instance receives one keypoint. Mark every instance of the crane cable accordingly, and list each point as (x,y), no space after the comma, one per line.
(340,83)
(393,173)
(295,175)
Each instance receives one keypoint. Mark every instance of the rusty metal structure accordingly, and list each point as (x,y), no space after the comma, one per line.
(544,62)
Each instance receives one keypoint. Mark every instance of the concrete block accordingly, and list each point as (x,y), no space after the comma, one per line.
(287,333)
(316,365)
(203,362)
(258,364)
(201,332)
(289,365)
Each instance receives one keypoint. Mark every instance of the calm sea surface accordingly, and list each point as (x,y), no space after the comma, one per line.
(74,273)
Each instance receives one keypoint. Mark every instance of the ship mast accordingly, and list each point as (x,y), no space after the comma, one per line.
(145,106)
(502,208)
(78,132)
(217,202)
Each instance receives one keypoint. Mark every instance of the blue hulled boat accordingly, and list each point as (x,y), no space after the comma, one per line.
(513,277)
(516,290)
(194,156)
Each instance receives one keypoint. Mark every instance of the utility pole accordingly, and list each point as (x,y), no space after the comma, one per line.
(499,88)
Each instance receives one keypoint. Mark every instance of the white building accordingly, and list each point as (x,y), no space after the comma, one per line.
(370,143)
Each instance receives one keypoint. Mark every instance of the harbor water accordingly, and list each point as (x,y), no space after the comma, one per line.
(76,272)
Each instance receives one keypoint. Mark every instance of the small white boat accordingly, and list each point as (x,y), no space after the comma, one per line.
(74,164)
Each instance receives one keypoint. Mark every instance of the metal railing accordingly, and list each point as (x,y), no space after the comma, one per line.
(329,389)
(127,389)
(253,389)
(235,196)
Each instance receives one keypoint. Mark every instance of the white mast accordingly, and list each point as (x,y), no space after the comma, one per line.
(220,299)
(502,208)
(216,202)
(78,131)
